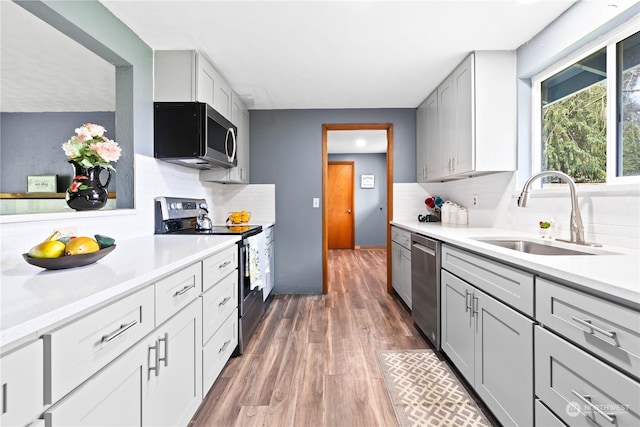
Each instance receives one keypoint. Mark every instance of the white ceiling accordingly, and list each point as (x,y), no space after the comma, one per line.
(347,141)
(44,70)
(336,54)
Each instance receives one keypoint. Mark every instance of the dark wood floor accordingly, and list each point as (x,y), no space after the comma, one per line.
(312,361)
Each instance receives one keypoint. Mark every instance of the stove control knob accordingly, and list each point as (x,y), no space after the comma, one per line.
(172,206)
(179,205)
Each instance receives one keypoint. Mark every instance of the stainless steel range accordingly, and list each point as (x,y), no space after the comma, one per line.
(178,215)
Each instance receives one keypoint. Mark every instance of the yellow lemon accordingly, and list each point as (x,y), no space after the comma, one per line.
(48,249)
(81,245)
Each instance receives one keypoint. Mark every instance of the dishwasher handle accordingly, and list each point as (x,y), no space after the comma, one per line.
(423,248)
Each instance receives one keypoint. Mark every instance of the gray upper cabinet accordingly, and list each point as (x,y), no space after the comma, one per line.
(187,76)
(470,120)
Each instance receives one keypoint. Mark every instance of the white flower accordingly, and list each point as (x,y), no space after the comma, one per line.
(89,131)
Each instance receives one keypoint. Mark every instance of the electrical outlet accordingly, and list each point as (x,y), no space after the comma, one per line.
(475,200)
(70,230)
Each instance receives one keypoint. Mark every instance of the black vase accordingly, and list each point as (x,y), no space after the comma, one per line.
(86,192)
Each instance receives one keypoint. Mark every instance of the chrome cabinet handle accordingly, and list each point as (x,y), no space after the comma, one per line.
(588,324)
(224,346)
(467,306)
(155,368)
(123,328)
(475,306)
(586,399)
(224,301)
(223,265)
(184,290)
(164,359)
(4,398)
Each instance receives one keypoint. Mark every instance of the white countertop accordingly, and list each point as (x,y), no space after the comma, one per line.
(616,274)
(34,300)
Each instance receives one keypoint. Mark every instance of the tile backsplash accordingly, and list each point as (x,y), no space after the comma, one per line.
(152,178)
(611,216)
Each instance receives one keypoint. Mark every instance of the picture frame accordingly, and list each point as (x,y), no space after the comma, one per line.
(367,181)
(42,183)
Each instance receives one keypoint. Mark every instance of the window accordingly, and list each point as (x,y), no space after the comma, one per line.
(587,119)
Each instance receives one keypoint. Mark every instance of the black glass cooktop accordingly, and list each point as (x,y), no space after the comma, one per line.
(223,229)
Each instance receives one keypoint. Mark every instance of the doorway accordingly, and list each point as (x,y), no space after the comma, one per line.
(388,127)
(340,181)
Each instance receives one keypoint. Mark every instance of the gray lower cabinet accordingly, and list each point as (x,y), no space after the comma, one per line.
(492,346)
(155,383)
(401,263)
(581,389)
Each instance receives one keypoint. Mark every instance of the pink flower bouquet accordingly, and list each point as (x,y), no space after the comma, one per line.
(90,148)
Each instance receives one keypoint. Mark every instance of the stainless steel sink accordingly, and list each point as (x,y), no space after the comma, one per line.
(541,248)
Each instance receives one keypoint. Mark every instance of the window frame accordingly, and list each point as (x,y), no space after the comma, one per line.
(608,41)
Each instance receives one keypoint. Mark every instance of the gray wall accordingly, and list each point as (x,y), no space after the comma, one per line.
(286,150)
(32,145)
(370,203)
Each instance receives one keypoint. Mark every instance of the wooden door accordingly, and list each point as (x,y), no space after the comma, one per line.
(340,205)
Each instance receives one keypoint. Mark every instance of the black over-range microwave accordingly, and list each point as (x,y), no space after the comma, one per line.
(193,134)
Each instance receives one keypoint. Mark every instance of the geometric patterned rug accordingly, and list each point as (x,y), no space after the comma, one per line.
(425,392)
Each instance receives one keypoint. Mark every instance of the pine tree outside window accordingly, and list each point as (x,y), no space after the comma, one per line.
(587,113)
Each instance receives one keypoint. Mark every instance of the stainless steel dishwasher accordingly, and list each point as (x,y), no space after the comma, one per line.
(425,286)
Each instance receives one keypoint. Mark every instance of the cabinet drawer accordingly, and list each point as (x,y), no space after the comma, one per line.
(581,389)
(615,335)
(22,385)
(546,418)
(217,303)
(218,350)
(78,350)
(403,237)
(176,291)
(218,266)
(508,284)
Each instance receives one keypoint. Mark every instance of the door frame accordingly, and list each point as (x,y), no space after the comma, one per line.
(353,200)
(325,166)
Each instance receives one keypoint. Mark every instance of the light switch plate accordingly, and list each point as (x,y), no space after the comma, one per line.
(316,202)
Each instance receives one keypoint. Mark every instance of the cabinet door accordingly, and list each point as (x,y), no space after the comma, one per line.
(446,124)
(421,142)
(222,97)
(504,360)
(205,81)
(22,385)
(434,145)
(113,397)
(396,270)
(405,275)
(457,323)
(173,370)
(463,149)
(240,117)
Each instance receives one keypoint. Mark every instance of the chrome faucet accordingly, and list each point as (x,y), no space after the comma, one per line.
(575,222)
